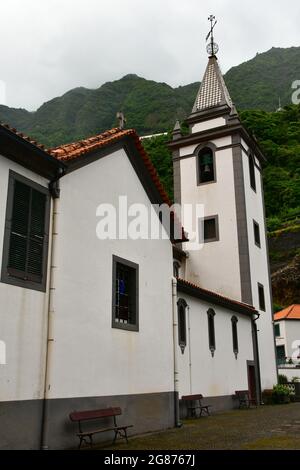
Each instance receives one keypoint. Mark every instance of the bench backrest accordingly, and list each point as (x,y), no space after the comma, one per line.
(192,397)
(95,414)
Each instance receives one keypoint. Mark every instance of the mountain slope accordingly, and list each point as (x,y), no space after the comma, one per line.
(152,107)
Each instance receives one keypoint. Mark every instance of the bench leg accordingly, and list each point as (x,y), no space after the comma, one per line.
(122,433)
(83,439)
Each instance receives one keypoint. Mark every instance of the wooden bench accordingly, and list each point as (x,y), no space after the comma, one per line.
(194,404)
(245,401)
(82,416)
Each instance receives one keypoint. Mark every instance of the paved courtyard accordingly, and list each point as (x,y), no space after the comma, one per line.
(267,427)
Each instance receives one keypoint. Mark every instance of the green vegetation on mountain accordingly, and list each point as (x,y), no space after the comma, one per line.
(152,107)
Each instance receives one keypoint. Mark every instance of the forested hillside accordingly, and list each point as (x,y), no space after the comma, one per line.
(152,107)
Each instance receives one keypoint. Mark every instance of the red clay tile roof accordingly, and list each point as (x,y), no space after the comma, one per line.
(290,313)
(72,151)
(217,297)
(69,152)
(25,137)
(82,147)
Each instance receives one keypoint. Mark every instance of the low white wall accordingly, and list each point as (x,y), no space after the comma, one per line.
(222,374)
(289,372)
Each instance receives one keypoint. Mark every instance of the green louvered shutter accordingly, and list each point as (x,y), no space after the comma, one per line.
(26,247)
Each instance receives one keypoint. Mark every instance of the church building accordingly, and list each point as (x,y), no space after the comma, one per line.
(134,323)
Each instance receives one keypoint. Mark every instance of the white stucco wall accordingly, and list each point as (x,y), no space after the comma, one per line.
(210,266)
(90,358)
(289,332)
(222,374)
(260,274)
(22,318)
(209,124)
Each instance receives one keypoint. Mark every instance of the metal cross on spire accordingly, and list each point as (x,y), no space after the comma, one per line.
(212,48)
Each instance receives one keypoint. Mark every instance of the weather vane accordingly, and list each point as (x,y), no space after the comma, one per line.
(212,48)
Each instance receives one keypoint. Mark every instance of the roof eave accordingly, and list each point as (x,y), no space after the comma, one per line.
(21,151)
(215,298)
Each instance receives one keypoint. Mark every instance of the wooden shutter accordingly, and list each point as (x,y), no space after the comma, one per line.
(35,247)
(19,230)
(27,235)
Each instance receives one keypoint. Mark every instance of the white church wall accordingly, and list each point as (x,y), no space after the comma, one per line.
(222,374)
(210,265)
(260,274)
(208,124)
(90,358)
(23,317)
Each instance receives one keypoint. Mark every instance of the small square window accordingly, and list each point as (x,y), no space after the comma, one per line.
(256,233)
(261,297)
(125,294)
(210,229)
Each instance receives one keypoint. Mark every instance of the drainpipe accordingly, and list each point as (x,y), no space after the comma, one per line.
(256,358)
(178,424)
(55,193)
(190,348)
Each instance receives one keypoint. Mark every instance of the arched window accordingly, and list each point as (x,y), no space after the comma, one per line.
(211,331)
(252,172)
(181,305)
(235,342)
(206,166)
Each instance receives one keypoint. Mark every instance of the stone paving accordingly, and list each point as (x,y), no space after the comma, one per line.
(265,427)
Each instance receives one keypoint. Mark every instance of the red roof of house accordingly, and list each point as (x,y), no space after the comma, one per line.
(25,137)
(290,313)
(72,151)
(189,287)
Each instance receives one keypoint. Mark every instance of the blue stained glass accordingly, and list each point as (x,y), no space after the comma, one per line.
(122,286)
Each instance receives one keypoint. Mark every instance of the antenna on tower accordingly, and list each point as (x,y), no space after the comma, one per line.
(212,48)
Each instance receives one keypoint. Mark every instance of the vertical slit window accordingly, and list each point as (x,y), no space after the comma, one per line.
(235,342)
(182,305)
(252,172)
(211,330)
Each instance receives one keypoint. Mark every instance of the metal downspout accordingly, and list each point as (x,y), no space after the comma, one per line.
(55,192)
(190,348)
(175,352)
(256,358)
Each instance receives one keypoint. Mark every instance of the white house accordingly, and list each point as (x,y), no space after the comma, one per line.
(287,336)
(136,323)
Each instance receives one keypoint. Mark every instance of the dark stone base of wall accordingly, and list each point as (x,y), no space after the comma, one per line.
(21,422)
(221,403)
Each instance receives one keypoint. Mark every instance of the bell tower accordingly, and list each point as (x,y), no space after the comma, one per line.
(219,165)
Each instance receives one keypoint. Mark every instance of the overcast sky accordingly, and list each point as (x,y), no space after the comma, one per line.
(51,46)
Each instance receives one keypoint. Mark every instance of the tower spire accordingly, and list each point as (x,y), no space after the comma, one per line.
(213,94)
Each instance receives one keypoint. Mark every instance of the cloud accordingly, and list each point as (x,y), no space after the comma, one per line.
(51,46)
